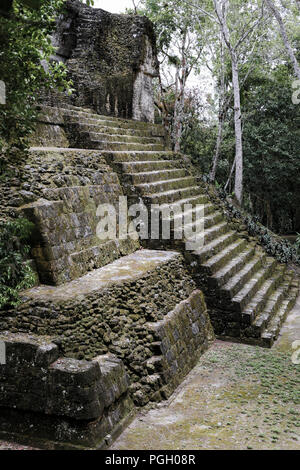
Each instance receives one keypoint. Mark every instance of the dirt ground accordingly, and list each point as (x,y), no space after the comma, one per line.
(237,397)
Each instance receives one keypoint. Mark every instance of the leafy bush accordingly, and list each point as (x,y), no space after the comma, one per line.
(25,49)
(26,66)
(15,272)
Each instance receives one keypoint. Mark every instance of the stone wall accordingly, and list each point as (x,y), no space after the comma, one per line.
(49,397)
(65,242)
(180,339)
(87,319)
(60,195)
(111,60)
(50,128)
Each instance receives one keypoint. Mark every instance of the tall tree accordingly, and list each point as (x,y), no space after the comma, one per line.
(237,30)
(222,107)
(181,40)
(221,8)
(275,11)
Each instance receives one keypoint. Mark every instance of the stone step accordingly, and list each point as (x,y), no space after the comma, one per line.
(218,261)
(214,246)
(234,265)
(238,281)
(118,157)
(126,268)
(172,195)
(71,107)
(190,212)
(140,157)
(153,176)
(147,166)
(198,226)
(108,121)
(211,234)
(161,186)
(170,223)
(181,205)
(95,136)
(252,284)
(105,145)
(108,130)
(266,303)
(272,329)
(89,115)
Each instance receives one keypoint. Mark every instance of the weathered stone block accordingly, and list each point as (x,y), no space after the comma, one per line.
(70,372)
(68,400)
(65,241)
(182,340)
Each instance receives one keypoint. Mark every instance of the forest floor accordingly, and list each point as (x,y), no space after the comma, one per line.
(237,397)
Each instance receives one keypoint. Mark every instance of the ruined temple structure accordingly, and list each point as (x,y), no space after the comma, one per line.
(111,60)
(114,324)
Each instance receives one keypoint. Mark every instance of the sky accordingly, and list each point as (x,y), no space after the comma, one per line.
(114,6)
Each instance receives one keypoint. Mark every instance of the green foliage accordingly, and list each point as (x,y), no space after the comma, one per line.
(25,66)
(200,135)
(275,246)
(25,42)
(181,33)
(171,20)
(271,150)
(15,272)
(271,141)
(199,141)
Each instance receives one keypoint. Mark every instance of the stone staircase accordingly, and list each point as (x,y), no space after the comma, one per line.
(248,293)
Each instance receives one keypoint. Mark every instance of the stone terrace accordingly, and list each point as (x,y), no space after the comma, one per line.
(248,293)
(141,305)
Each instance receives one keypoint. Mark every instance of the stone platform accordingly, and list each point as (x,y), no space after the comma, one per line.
(144,308)
(79,356)
(57,402)
(99,299)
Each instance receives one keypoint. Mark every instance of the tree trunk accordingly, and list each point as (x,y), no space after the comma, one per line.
(6,7)
(213,171)
(284,36)
(176,113)
(238,185)
(180,112)
(221,10)
(164,108)
(230,176)
(222,111)
(269,214)
(180,94)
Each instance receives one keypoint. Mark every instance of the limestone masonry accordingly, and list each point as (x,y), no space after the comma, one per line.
(113,325)
(111,60)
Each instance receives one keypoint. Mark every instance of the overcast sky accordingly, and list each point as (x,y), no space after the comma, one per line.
(114,6)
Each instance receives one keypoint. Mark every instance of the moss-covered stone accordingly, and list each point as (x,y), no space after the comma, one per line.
(111,60)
